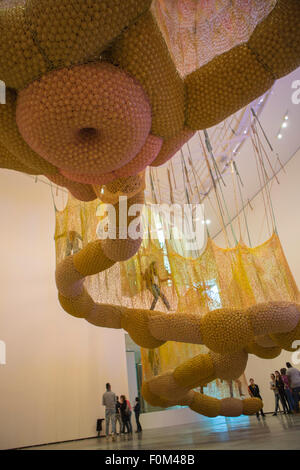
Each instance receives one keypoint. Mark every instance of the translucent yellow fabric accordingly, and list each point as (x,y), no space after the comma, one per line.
(235,278)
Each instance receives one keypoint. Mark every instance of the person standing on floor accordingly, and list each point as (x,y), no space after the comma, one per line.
(137,412)
(287,389)
(293,376)
(125,411)
(129,415)
(109,401)
(280,387)
(153,284)
(118,415)
(254,392)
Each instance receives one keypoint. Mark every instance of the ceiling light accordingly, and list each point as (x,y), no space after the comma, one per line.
(286,117)
(284,124)
(279,136)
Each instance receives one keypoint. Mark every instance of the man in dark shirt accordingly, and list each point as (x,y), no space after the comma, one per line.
(118,415)
(254,392)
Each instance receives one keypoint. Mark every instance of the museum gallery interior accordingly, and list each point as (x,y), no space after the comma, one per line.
(149,242)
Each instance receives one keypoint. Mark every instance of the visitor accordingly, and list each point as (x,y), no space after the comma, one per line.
(118,415)
(137,412)
(152,280)
(125,415)
(287,389)
(293,376)
(254,392)
(276,393)
(280,388)
(109,401)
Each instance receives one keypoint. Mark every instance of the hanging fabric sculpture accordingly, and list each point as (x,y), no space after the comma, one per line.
(197,31)
(93,97)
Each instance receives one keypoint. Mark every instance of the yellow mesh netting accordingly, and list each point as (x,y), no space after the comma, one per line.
(237,277)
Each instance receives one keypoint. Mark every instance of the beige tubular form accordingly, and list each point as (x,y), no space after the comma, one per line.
(229,333)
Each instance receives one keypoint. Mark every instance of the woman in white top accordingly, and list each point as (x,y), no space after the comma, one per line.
(293,376)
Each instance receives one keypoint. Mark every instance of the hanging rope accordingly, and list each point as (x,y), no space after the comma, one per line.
(239,183)
(53,199)
(233,177)
(260,181)
(209,148)
(266,137)
(266,182)
(264,151)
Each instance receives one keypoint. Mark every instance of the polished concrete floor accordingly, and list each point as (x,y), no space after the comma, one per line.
(247,433)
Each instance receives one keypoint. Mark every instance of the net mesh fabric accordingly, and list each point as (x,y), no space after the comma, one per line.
(239,277)
(196,31)
(129,187)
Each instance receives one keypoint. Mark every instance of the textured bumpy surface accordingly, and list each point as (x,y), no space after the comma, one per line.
(48,34)
(138,164)
(235,78)
(129,187)
(142,51)
(72,31)
(12,140)
(172,145)
(94,123)
(21,60)
(10,162)
(83,192)
(231,334)
(223,86)
(276,41)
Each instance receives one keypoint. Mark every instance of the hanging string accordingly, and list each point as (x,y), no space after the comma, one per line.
(262,129)
(260,180)
(152,187)
(239,183)
(267,180)
(204,192)
(209,148)
(185,171)
(53,199)
(264,177)
(221,216)
(190,160)
(268,187)
(184,182)
(158,185)
(210,151)
(170,186)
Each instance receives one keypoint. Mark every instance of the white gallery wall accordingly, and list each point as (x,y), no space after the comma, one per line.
(57,365)
(286,200)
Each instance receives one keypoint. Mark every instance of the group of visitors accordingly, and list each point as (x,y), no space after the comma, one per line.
(120,411)
(286,387)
